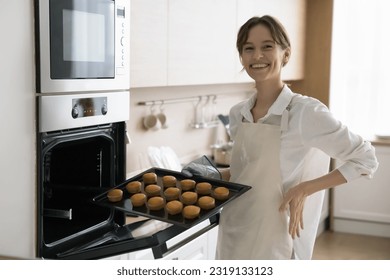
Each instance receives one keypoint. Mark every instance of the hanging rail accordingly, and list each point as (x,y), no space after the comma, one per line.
(175,100)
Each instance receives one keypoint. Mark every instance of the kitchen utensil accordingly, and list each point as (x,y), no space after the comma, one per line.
(162,117)
(151,121)
(222,153)
(225,121)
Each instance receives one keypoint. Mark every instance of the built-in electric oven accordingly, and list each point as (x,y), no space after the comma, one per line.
(82,45)
(81,154)
(83,104)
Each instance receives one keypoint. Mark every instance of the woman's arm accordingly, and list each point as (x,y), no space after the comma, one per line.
(294,198)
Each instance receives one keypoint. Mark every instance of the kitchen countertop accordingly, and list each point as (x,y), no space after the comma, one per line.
(379,141)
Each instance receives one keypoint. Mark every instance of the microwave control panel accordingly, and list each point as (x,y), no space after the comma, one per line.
(120,17)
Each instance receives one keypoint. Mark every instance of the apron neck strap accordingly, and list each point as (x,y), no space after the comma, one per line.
(285,116)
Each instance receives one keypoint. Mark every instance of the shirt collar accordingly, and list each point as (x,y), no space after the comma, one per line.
(276,108)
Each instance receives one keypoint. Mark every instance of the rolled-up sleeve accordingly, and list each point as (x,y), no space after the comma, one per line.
(321,130)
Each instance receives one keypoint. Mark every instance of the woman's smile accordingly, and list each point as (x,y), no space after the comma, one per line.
(259,65)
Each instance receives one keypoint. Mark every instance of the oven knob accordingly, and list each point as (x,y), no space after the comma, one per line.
(104,109)
(75,112)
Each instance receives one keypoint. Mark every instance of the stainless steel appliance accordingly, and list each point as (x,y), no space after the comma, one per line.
(83,103)
(82,45)
(82,155)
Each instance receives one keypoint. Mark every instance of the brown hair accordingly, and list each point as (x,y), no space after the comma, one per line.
(278,32)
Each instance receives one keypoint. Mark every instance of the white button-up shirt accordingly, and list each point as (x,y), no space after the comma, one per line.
(310,125)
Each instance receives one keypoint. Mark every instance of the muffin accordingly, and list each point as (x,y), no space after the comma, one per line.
(169,181)
(171,193)
(149,178)
(191,211)
(133,187)
(138,199)
(189,198)
(187,184)
(221,193)
(206,202)
(115,195)
(203,188)
(156,203)
(174,207)
(152,190)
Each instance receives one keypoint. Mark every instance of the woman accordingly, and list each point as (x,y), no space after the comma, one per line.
(282,144)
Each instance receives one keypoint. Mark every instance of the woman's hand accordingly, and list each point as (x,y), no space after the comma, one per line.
(294,200)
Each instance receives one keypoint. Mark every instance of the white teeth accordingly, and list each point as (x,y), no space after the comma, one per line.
(259,65)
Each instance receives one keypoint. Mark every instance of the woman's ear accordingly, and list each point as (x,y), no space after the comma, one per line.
(286,56)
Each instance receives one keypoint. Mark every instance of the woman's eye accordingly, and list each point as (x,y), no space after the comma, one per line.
(248,48)
(267,47)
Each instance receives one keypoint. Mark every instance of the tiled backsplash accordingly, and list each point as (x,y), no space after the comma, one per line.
(186,141)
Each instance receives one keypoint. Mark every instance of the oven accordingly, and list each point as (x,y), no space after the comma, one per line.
(83,101)
(81,153)
(82,45)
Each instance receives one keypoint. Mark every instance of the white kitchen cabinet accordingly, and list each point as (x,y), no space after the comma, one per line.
(292,14)
(324,214)
(194,250)
(202,38)
(148,43)
(201,248)
(362,206)
(186,42)
(117,257)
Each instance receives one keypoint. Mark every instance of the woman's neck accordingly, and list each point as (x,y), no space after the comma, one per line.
(267,93)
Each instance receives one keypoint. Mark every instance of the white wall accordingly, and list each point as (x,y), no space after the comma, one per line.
(17,126)
(187,142)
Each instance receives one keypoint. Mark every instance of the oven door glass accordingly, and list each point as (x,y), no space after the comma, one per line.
(82,37)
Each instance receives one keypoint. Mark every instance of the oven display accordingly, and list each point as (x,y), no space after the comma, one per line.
(88,107)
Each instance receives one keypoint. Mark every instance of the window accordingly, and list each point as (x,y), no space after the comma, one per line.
(359,90)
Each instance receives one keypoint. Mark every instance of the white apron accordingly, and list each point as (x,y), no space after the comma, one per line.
(252,227)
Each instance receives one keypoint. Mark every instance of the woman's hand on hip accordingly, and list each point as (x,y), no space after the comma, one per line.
(294,200)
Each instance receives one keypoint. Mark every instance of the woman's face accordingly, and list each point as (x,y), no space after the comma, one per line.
(261,56)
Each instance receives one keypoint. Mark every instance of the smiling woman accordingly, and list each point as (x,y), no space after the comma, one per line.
(360,66)
(282,143)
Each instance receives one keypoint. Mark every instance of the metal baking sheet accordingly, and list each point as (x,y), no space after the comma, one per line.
(235,190)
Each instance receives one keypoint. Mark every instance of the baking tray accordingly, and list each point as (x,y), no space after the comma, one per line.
(125,205)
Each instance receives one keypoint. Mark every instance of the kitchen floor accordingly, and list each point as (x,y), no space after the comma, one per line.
(344,246)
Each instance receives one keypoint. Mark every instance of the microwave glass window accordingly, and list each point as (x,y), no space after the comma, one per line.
(84,36)
(82,39)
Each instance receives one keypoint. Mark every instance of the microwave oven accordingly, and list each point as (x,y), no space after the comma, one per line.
(82,45)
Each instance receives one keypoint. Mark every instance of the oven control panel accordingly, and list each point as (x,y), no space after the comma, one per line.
(57,112)
(88,107)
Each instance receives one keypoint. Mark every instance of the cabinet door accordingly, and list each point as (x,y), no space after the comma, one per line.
(196,249)
(148,43)
(291,13)
(117,257)
(366,200)
(212,240)
(202,38)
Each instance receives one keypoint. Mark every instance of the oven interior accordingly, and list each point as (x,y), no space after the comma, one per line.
(74,166)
